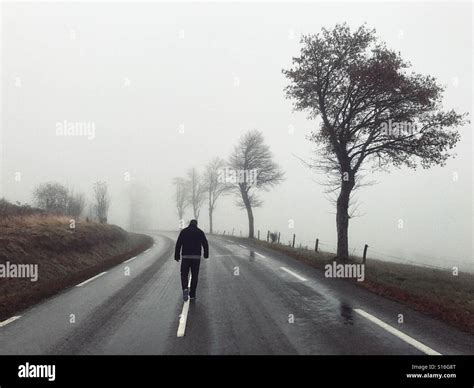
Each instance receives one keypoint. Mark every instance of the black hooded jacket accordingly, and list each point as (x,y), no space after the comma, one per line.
(189,243)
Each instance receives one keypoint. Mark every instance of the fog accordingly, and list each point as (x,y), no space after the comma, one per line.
(166,87)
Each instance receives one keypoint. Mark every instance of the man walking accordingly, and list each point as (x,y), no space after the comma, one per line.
(189,244)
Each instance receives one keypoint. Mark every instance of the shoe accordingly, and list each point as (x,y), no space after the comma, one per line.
(185,294)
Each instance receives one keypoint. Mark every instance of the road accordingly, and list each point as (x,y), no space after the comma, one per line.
(250,300)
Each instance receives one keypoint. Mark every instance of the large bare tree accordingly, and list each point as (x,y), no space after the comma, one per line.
(196,191)
(373,111)
(251,169)
(215,187)
(102,201)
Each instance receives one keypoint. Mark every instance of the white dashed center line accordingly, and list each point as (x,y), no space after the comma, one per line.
(409,340)
(294,274)
(91,279)
(9,320)
(240,245)
(260,255)
(184,315)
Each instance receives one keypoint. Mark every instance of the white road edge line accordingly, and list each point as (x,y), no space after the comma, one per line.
(240,245)
(294,274)
(184,315)
(129,260)
(148,250)
(260,255)
(409,340)
(9,320)
(91,279)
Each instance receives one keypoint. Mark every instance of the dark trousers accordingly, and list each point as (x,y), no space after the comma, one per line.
(193,265)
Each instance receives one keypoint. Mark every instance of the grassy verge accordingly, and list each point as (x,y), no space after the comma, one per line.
(434,292)
(64,256)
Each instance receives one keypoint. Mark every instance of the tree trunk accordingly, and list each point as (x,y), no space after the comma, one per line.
(210,219)
(342,219)
(250,215)
(248,206)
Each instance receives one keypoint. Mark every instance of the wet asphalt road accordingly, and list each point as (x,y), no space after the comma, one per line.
(249,301)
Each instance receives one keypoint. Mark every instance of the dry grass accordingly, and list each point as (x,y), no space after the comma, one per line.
(33,221)
(434,292)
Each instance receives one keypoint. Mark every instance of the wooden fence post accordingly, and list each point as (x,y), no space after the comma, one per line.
(278,237)
(316,244)
(364,258)
(258,234)
(294,237)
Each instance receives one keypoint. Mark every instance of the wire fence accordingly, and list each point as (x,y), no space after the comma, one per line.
(366,252)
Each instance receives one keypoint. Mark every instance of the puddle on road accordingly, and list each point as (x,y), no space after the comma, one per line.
(252,256)
(346,313)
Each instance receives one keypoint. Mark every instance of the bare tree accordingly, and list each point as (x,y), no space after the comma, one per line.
(215,187)
(51,197)
(372,110)
(102,201)
(180,196)
(55,198)
(196,191)
(252,168)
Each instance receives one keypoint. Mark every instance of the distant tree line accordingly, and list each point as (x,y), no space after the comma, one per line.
(249,168)
(55,198)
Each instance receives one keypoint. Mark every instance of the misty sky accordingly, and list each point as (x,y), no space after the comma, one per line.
(170,86)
